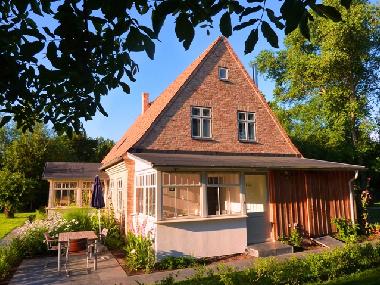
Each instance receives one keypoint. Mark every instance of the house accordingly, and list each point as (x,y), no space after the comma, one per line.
(207,168)
(70,183)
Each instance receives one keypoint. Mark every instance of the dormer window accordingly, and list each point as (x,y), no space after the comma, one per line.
(201,122)
(247,126)
(223,73)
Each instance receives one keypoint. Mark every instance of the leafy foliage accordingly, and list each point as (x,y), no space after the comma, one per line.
(59,73)
(347,231)
(172,262)
(139,252)
(327,89)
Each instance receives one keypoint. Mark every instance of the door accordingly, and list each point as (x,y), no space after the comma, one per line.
(256,199)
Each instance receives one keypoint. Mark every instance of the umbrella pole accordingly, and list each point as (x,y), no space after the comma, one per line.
(100,229)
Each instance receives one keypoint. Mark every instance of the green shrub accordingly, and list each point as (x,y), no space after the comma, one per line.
(114,238)
(139,253)
(347,231)
(80,219)
(172,262)
(10,256)
(295,238)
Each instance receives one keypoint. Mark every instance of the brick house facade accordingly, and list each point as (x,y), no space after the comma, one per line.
(208,158)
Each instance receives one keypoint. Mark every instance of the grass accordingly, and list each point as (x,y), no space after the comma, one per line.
(7,225)
(368,277)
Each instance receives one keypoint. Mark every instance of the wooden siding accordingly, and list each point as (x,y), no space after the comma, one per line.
(311,199)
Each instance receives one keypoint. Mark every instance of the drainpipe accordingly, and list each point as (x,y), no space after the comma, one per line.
(352,196)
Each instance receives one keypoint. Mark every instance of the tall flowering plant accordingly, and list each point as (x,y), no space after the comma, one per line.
(366,198)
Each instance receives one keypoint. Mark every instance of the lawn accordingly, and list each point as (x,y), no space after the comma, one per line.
(368,277)
(7,225)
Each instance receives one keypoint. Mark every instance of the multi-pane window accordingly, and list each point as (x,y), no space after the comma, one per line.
(223,73)
(87,192)
(119,194)
(181,195)
(112,187)
(223,194)
(146,194)
(200,122)
(246,126)
(65,193)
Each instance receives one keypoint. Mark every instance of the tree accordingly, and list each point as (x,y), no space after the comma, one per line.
(327,90)
(59,75)
(12,189)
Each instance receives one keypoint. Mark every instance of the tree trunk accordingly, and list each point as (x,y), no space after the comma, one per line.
(9,214)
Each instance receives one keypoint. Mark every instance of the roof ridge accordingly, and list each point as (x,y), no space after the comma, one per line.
(157,106)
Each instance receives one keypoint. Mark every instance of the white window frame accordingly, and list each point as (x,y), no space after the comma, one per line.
(220,75)
(246,123)
(112,187)
(119,185)
(201,119)
(61,189)
(146,186)
(218,185)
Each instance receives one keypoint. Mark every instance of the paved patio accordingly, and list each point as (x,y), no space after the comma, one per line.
(44,271)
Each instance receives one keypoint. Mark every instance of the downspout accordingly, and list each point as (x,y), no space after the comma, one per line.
(352,196)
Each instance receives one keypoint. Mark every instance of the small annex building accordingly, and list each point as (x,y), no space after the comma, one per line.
(70,183)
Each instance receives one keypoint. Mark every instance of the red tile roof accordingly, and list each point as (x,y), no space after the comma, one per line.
(146,120)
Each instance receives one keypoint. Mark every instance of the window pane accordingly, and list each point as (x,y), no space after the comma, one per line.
(139,201)
(72,197)
(206,112)
(212,201)
(65,198)
(168,202)
(251,132)
(251,116)
(195,111)
(242,134)
(152,201)
(58,198)
(196,127)
(226,178)
(223,73)
(241,116)
(256,193)
(206,128)
(193,197)
(234,204)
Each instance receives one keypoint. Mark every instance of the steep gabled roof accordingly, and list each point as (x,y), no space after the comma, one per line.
(146,120)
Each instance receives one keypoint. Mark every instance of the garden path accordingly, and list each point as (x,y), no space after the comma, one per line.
(8,238)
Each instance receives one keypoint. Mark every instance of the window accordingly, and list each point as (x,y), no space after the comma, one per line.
(223,194)
(181,195)
(146,194)
(247,126)
(65,193)
(223,73)
(87,193)
(200,122)
(120,194)
(112,187)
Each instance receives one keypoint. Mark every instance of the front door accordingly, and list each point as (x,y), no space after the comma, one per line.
(256,199)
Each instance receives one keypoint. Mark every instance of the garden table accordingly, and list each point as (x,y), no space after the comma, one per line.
(64,238)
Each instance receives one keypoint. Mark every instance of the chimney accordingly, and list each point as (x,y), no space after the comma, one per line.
(144,102)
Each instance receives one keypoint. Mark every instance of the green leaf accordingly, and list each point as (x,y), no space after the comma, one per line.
(269,34)
(249,10)
(245,24)
(292,11)
(21,5)
(5,120)
(51,52)
(184,30)
(29,49)
(36,8)
(225,25)
(328,11)
(251,41)
(125,87)
(149,47)
(48,32)
(346,3)
(160,13)
(275,20)
(304,27)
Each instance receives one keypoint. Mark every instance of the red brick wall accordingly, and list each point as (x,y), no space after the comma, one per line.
(172,131)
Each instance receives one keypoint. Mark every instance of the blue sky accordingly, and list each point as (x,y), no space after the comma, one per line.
(155,75)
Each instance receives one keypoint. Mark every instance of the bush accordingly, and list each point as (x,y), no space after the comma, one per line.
(10,256)
(80,219)
(172,262)
(347,231)
(139,253)
(314,268)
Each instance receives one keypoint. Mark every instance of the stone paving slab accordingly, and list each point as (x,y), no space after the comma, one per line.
(38,271)
(328,241)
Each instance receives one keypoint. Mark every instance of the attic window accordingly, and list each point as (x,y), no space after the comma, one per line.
(223,73)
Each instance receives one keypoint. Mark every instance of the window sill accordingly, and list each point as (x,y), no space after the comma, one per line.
(202,139)
(201,219)
(249,142)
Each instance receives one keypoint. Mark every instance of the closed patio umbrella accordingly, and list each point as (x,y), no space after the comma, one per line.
(97,200)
